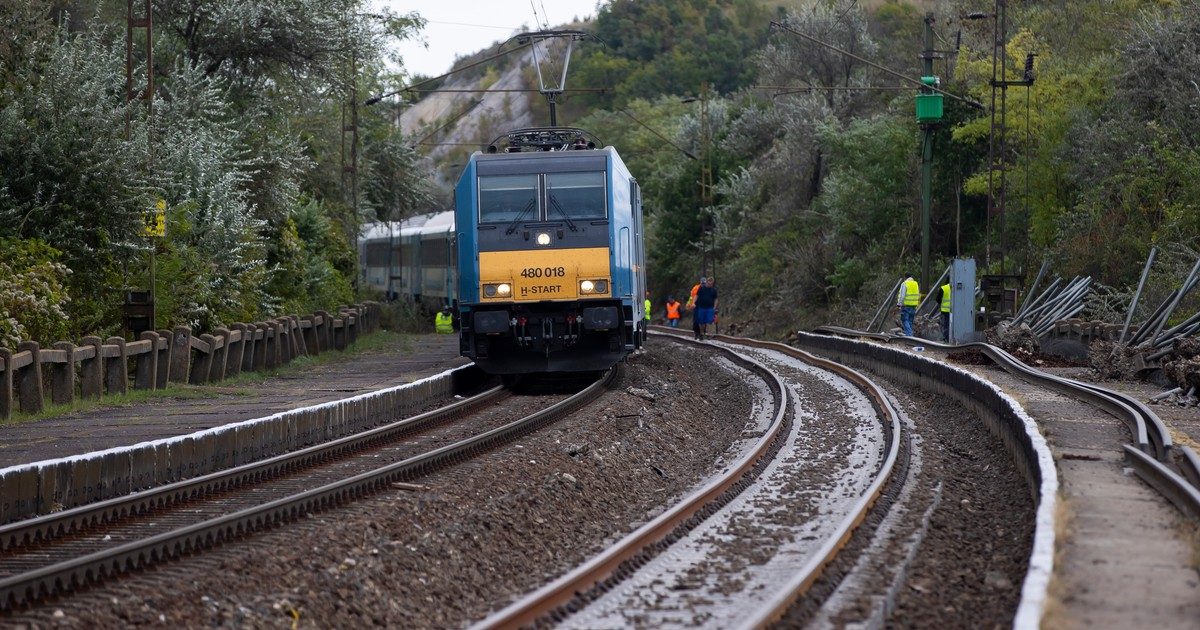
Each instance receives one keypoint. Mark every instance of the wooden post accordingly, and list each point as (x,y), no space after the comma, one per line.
(216,372)
(91,371)
(299,347)
(6,384)
(116,369)
(62,376)
(283,330)
(29,379)
(145,372)
(260,346)
(310,336)
(181,354)
(203,362)
(163,348)
(325,332)
(233,366)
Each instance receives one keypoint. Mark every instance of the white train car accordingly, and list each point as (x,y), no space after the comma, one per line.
(414,259)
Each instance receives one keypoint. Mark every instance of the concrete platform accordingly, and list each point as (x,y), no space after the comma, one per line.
(412,358)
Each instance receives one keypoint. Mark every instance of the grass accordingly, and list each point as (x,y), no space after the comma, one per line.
(374,342)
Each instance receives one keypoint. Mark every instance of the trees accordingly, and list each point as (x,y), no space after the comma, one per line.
(247,124)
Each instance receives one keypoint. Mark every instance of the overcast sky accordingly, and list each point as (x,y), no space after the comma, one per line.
(459,27)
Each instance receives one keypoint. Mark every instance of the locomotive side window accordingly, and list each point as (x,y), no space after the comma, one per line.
(575,196)
(507,197)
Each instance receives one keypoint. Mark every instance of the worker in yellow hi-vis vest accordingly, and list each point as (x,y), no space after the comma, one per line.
(443,323)
(907,300)
(944,299)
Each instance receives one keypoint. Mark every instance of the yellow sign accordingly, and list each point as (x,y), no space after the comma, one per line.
(154,224)
(543,274)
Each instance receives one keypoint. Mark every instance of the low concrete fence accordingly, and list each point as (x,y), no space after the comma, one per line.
(53,485)
(32,375)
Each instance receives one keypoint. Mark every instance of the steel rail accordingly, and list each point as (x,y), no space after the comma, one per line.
(47,581)
(604,566)
(1152,439)
(45,528)
(802,580)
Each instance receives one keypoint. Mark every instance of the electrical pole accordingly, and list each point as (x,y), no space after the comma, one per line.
(927,129)
(155,220)
(706,179)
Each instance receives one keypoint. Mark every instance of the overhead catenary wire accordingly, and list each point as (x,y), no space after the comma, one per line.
(380,97)
(902,77)
(656,133)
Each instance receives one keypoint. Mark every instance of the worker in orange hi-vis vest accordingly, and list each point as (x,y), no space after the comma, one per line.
(673,311)
(691,303)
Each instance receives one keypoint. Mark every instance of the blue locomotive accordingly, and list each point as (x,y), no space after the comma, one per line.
(551,265)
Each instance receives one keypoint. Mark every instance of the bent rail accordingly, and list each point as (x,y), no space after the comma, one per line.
(1151,437)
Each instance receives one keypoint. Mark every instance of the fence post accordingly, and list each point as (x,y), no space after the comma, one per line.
(299,347)
(6,384)
(283,330)
(146,364)
(29,383)
(116,369)
(260,346)
(62,376)
(216,372)
(352,330)
(181,354)
(233,367)
(325,334)
(91,371)
(162,347)
(203,362)
(310,335)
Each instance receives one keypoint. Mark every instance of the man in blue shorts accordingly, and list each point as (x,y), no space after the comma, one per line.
(706,308)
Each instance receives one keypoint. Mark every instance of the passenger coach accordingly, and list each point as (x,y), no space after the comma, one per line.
(550,255)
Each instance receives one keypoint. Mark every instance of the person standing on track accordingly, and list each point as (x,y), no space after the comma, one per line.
(907,299)
(943,298)
(706,308)
(673,309)
(443,323)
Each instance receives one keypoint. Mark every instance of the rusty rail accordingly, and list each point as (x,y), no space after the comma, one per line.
(560,593)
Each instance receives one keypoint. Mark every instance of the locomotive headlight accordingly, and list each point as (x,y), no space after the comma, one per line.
(543,239)
(504,289)
(497,290)
(489,290)
(593,287)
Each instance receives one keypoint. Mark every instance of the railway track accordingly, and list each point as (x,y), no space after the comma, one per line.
(1173,470)
(680,540)
(58,553)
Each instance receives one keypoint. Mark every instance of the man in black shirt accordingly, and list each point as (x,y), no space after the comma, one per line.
(706,308)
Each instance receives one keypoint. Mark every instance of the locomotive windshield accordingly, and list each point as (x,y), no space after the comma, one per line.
(575,195)
(507,197)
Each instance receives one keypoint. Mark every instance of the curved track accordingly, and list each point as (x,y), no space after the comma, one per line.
(1171,469)
(557,600)
(43,557)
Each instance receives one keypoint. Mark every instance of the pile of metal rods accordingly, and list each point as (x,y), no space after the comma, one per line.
(1057,302)
(1151,334)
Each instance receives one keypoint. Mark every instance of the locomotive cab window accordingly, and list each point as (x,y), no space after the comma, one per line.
(575,196)
(505,198)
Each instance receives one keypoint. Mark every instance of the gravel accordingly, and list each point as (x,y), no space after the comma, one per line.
(466,540)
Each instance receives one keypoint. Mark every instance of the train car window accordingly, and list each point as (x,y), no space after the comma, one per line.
(575,196)
(505,198)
